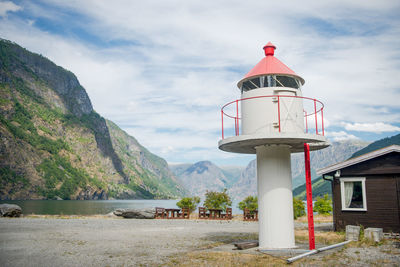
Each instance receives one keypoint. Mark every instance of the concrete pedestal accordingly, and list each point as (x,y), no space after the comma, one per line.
(275,198)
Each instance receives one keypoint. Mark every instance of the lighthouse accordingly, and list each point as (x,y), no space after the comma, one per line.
(272,119)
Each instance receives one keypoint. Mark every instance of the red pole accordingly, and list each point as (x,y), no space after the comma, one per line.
(311,237)
(322,116)
(316,121)
(222,120)
(306,122)
(279,115)
(237,118)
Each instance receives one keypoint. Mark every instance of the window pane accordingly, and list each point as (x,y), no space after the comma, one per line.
(256,81)
(271,81)
(353,195)
(286,82)
(357,198)
(248,86)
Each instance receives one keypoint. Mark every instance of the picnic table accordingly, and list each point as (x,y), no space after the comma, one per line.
(250,215)
(172,213)
(215,213)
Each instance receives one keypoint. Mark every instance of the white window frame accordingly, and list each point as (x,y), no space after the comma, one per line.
(353,179)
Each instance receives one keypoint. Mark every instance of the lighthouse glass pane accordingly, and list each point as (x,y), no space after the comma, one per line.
(286,81)
(256,81)
(271,81)
(247,85)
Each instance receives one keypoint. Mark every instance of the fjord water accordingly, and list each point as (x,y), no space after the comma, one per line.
(92,207)
(85,207)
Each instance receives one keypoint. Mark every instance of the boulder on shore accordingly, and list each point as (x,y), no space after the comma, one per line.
(135,213)
(10,210)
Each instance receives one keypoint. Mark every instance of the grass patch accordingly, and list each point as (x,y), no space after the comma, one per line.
(325,238)
(223,259)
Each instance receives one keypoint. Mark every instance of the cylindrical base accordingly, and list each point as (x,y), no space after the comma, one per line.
(275,198)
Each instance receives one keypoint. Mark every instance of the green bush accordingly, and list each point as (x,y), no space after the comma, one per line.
(298,208)
(189,202)
(323,205)
(217,200)
(249,202)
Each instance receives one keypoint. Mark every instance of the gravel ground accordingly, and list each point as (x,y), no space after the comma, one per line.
(107,242)
(103,241)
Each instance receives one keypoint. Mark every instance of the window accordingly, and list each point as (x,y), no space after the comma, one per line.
(285,81)
(353,194)
(270,81)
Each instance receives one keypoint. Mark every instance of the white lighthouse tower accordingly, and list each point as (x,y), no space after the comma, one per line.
(272,120)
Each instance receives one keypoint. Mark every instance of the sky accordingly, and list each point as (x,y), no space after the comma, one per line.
(162,70)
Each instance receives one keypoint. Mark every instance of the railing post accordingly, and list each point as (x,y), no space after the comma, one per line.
(315,112)
(322,119)
(222,120)
(237,118)
(311,237)
(279,115)
(306,122)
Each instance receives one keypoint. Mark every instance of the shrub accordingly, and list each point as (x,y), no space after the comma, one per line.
(250,203)
(189,202)
(323,205)
(217,200)
(298,208)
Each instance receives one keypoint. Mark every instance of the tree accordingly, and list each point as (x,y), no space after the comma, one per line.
(250,202)
(323,205)
(298,208)
(188,202)
(217,200)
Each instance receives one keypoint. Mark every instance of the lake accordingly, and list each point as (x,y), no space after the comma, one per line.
(91,207)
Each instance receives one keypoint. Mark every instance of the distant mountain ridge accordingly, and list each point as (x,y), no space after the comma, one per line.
(338,151)
(321,187)
(393,140)
(204,175)
(54,145)
(242,182)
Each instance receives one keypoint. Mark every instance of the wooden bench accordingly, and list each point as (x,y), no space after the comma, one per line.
(227,215)
(185,213)
(160,213)
(250,215)
(202,213)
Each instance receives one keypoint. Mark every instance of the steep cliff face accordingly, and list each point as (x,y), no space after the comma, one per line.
(53,144)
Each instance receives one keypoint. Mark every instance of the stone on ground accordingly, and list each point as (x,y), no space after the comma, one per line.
(10,210)
(135,213)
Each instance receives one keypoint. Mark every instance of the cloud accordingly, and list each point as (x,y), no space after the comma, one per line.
(162,71)
(8,6)
(340,136)
(377,127)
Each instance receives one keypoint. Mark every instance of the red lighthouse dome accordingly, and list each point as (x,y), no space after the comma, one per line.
(270,65)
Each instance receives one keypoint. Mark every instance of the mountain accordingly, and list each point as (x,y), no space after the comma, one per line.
(54,145)
(247,183)
(338,151)
(393,140)
(321,187)
(204,175)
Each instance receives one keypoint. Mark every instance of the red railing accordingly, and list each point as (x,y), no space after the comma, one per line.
(316,106)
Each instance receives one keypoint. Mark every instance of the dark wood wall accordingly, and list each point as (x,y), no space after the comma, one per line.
(382,187)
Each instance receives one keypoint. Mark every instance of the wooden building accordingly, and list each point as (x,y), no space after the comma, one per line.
(366,190)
